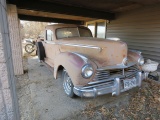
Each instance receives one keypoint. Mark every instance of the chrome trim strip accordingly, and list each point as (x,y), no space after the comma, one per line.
(80,45)
(112,77)
(105,80)
(101,76)
(102,84)
(74,45)
(116,89)
(139,79)
(81,56)
(120,66)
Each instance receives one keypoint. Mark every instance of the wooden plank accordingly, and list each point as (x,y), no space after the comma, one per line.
(63,9)
(53,15)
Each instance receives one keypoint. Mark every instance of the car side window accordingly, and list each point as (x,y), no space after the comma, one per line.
(49,35)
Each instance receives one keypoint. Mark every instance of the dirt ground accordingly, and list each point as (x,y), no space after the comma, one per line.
(141,105)
(41,97)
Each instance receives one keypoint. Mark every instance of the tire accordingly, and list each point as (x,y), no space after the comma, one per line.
(40,51)
(67,84)
(29,48)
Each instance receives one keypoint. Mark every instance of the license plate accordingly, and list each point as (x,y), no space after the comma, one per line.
(129,83)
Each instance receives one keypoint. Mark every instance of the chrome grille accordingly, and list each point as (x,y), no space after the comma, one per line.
(102,75)
(111,74)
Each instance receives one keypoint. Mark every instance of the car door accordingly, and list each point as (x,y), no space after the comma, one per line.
(50,47)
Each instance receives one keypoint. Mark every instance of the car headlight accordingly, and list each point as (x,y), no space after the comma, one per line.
(124,62)
(141,61)
(87,71)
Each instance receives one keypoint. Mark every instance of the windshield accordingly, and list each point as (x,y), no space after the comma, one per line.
(73,32)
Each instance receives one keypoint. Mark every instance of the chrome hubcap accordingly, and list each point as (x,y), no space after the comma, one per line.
(67,83)
(29,48)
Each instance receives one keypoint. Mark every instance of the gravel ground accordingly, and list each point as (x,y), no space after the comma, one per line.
(138,104)
(24,94)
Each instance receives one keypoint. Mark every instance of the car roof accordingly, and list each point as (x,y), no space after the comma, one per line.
(55,26)
(60,25)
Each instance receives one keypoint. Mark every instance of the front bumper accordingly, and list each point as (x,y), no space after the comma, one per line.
(114,87)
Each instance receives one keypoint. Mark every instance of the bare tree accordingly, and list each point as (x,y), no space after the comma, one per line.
(32,29)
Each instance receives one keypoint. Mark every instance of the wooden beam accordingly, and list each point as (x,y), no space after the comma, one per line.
(53,15)
(45,6)
(47,19)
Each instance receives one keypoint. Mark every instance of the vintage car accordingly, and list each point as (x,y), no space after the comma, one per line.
(91,66)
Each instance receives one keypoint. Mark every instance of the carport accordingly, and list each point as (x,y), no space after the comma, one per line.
(135,22)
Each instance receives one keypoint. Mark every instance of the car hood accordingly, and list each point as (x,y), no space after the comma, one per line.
(99,42)
(104,52)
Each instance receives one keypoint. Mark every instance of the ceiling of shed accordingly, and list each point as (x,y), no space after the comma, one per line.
(53,15)
(78,10)
(107,5)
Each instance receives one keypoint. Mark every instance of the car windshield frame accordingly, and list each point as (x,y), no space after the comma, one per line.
(77,31)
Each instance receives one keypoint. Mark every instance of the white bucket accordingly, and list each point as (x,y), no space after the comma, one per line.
(150,66)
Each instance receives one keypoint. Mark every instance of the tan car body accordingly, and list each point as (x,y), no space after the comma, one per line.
(74,53)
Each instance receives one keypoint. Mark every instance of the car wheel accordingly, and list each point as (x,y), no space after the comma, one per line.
(67,84)
(29,48)
(40,51)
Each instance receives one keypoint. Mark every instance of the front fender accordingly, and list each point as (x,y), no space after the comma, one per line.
(134,55)
(73,63)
